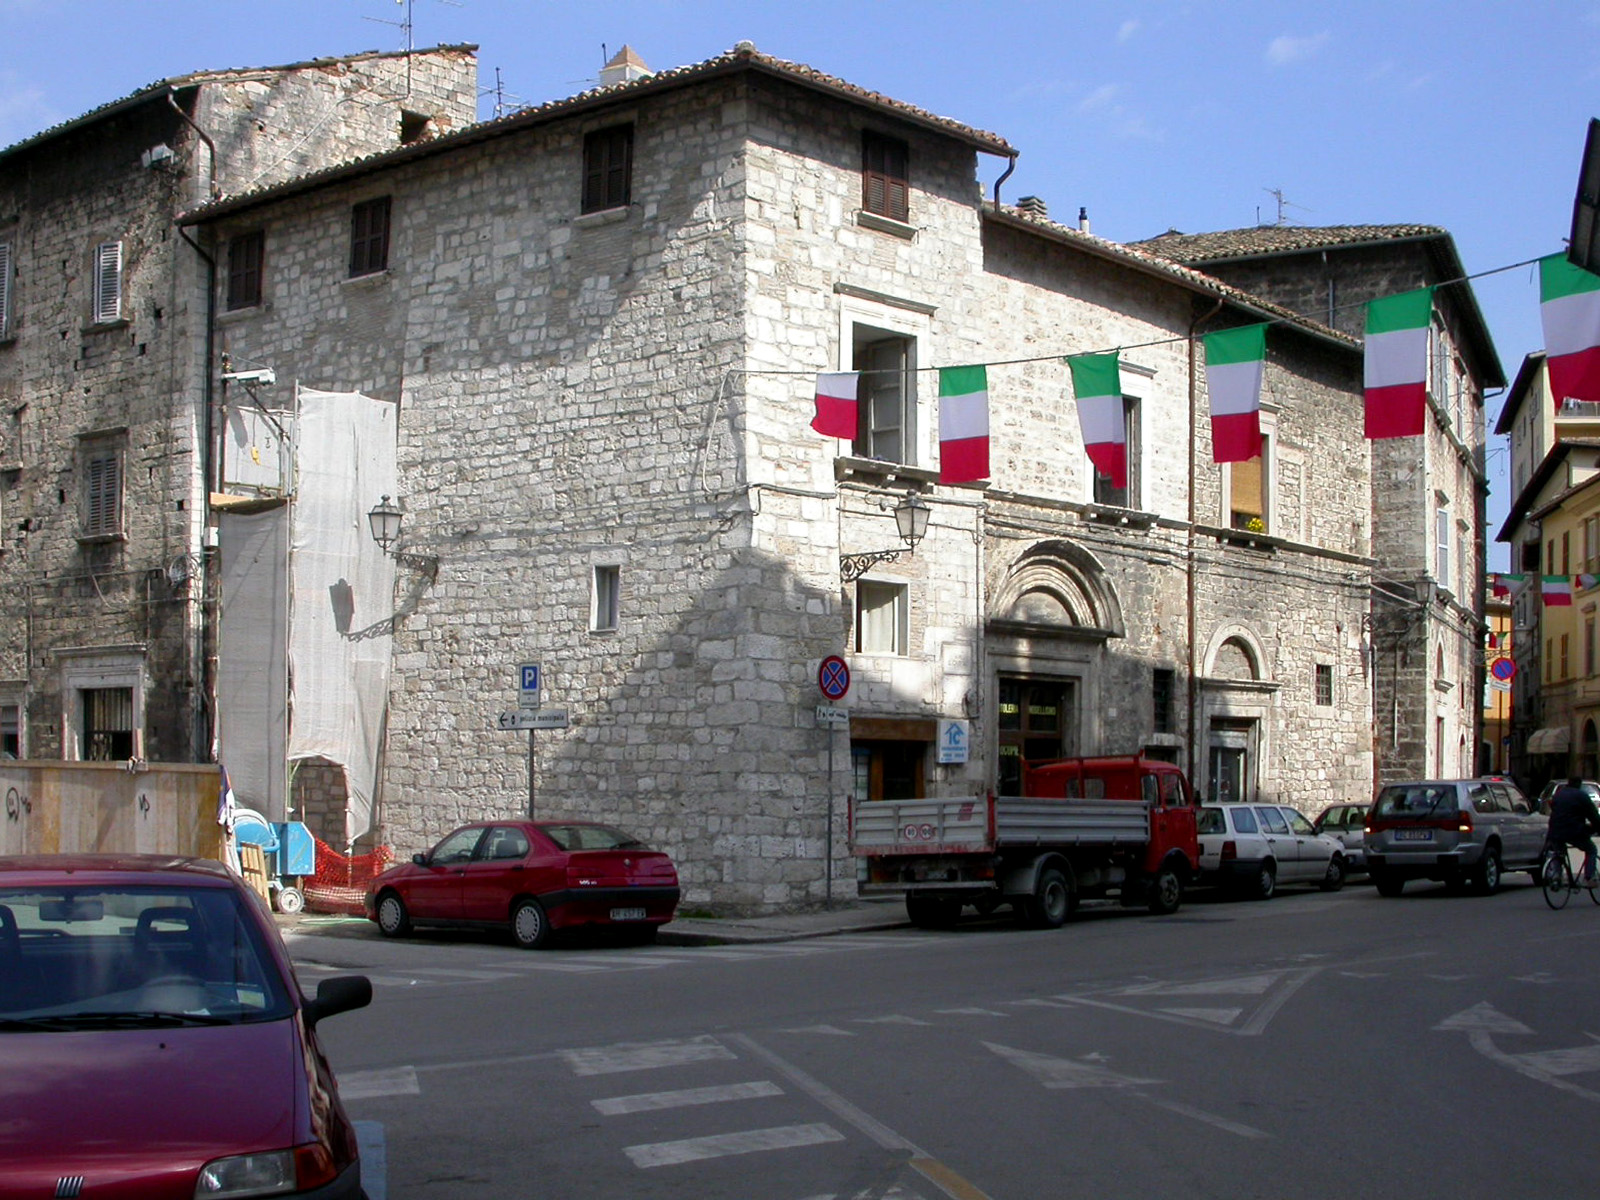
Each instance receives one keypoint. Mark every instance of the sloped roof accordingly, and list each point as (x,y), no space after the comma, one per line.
(163,87)
(1140,259)
(1520,388)
(1260,240)
(741,59)
(1523,508)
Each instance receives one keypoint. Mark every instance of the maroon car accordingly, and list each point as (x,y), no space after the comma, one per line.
(154,1041)
(533,877)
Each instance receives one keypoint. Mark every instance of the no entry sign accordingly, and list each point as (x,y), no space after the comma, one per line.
(833,677)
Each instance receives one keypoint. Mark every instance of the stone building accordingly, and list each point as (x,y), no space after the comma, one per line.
(1427,626)
(109,371)
(601,320)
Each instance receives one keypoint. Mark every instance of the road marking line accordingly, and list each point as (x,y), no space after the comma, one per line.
(644,1056)
(829,1030)
(684,1097)
(892,1019)
(1185,1110)
(374,1159)
(782,1137)
(969,1012)
(369,1085)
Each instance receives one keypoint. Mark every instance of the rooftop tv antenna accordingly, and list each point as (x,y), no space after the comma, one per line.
(407,26)
(1283,205)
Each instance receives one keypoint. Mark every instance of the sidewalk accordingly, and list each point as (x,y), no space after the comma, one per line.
(846,916)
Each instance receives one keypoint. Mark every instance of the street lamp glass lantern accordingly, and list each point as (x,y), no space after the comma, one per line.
(385,522)
(911,517)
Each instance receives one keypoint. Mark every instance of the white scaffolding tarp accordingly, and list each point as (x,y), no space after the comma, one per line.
(253,657)
(341,589)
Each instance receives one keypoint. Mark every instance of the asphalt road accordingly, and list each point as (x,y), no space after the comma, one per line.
(1309,1046)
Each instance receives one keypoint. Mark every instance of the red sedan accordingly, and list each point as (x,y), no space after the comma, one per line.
(154,1042)
(533,877)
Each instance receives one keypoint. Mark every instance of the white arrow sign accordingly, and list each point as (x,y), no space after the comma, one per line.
(527,718)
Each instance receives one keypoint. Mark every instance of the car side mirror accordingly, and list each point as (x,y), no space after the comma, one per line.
(420,859)
(339,994)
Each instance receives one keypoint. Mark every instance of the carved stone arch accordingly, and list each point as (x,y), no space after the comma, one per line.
(1235,653)
(1055,586)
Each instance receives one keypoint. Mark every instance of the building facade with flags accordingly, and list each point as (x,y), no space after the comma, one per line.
(112,389)
(671,359)
(1425,630)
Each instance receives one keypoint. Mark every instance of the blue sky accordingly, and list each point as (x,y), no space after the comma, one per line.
(1151,114)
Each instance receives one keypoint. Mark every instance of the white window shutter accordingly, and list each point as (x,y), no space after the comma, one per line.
(108,282)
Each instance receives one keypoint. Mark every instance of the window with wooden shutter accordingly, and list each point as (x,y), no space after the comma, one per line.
(246,254)
(885,189)
(607,168)
(369,237)
(102,490)
(5,290)
(107,282)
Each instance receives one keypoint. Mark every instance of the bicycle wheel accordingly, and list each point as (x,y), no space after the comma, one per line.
(1556,877)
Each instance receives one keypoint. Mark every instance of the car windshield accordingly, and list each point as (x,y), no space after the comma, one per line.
(1415,800)
(113,957)
(591,837)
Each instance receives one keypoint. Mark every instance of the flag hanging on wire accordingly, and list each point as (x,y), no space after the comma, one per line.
(1501,585)
(1556,590)
(1097,383)
(1396,364)
(836,404)
(1235,361)
(963,424)
(1569,309)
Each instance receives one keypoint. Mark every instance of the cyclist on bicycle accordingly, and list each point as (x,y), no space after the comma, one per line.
(1573,817)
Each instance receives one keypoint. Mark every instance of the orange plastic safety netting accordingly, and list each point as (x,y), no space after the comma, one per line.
(341,880)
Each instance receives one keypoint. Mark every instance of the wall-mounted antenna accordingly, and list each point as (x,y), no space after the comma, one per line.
(1283,204)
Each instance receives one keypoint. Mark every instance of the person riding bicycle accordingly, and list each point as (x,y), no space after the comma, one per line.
(1573,817)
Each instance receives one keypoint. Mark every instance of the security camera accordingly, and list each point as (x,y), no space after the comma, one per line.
(264,376)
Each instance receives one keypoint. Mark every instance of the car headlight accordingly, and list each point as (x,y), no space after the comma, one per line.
(266,1173)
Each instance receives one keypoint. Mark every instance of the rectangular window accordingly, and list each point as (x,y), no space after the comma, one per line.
(882,617)
(369,237)
(885,171)
(246,254)
(107,724)
(5,290)
(1588,647)
(102,488)
(1161,684)
(1125,497)
(1325,685)
(605,606)
(1441,528)
(1566,552)
(607,168)
(10,731)
(886,424)
(1565,673)
(1550,557)
(1037,720)
(107,282)
(1247,492)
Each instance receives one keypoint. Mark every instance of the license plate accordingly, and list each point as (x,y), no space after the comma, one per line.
(627,914)
(1413,835)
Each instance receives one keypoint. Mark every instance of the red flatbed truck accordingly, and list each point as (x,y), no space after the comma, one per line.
(1117,825)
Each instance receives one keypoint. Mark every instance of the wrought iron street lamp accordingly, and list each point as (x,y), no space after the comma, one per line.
(384,520)
(910,518)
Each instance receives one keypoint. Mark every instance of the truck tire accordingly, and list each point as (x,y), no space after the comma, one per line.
(1052,901)
(932,912)
(1166,891)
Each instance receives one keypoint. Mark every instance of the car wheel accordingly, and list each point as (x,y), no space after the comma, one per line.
(529,924)
(1334,879)
(1387,885)
(932,912)
(1487,877)
(393,919)
(289,900)
(1266,880)
(1052,901)
(1166,892)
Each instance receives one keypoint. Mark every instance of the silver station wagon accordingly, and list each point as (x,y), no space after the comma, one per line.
(1456,831)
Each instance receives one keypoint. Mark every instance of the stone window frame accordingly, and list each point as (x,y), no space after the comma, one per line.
(605,596)
(894,638)
(1100,489)
(102,468)
(607,177)
(371,230)
(96,668)
(891,317)
(247,257)
(7,275)
(885,176)
(105,298)
(1269,478)
(1322,685)
(14,699)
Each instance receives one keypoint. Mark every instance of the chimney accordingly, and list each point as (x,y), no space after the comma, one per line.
(624,67)
(1032,206)
(1083,220)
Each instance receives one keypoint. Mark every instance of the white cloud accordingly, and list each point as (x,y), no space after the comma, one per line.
(1282,51)
(1101,99)
(1126,31)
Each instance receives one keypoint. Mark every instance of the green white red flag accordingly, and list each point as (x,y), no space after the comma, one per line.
(1235,362)
(1396,364)
(836,404)
(1500,584)
(1097,383)
(1569,309)
(1556,590)
(963,424)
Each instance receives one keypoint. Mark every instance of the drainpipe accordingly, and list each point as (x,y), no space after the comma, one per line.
(1010,167)
(211,147)
(1189,559)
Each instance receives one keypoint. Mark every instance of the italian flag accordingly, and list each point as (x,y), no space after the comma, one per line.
(836,404)
(1501,585)
(963,424)
(1097,382)
(1585,582)
(1569,309)
(1556,590)
(1235,360)
(1397,364)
